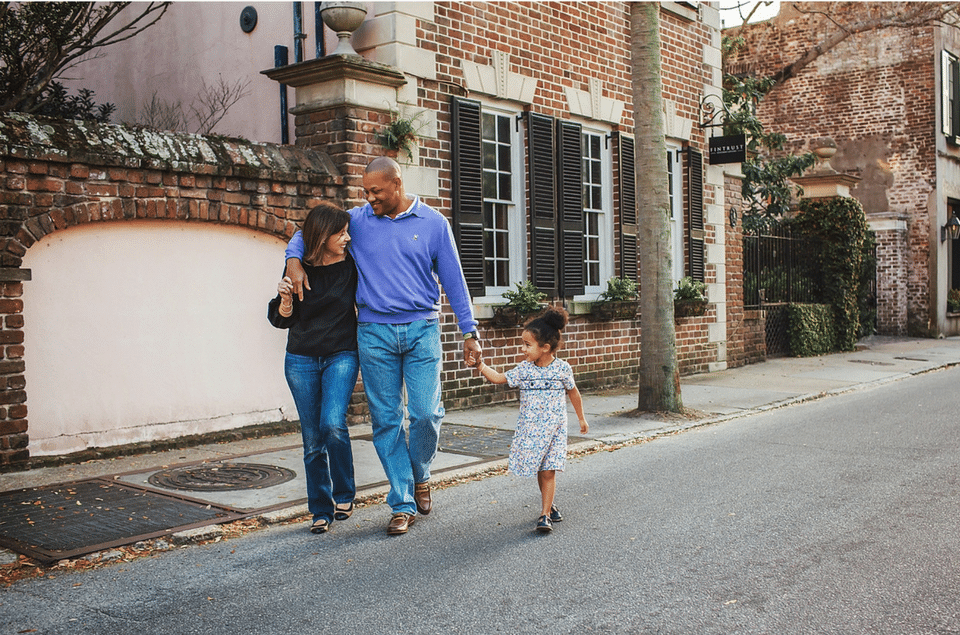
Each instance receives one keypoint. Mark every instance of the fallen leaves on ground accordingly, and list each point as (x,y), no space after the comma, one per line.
(27,568)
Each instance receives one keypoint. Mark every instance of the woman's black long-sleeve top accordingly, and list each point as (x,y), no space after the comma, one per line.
(325,322)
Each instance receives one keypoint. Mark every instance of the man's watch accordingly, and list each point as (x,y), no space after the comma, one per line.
(472,335)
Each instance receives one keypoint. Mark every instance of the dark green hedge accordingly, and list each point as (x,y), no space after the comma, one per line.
(810,329)
(842,225)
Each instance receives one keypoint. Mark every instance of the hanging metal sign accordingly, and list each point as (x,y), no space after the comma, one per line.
(731,149)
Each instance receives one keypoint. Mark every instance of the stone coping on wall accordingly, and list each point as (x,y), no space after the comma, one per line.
(28,137)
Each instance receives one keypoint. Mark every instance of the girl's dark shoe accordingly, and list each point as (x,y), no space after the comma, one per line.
(342,511)
(555,515)
(544,525)
(321,526)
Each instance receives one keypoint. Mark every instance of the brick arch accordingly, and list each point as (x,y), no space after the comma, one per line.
(57,174)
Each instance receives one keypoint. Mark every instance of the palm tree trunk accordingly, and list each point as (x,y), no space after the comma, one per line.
(659,373)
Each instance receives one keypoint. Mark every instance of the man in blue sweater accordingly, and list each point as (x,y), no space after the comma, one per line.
(402,247)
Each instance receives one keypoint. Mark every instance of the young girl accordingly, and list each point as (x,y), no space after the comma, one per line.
(540,442)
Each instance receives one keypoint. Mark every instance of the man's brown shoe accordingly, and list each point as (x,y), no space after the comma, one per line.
(400,523)
(421,496)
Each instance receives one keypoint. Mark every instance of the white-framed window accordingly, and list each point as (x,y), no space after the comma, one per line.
(675,183)
(597,177)
(503,196)
(950,96)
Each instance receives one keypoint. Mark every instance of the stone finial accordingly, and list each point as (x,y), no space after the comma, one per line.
(344,18)
(824,181)
(824,148)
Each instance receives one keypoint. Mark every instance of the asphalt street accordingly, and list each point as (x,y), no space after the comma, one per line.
(830,516)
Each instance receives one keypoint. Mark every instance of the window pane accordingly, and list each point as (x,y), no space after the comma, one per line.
(503,274)
(488,124)
(505,181)
(502,217)
(502,243)
(489,156)
(489,185)
(503,129)
(503,157)
(593,224)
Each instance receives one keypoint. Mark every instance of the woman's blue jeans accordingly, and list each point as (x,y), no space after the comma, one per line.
(321,388)
(392,355)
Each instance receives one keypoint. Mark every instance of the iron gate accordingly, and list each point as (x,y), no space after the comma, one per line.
(780,269)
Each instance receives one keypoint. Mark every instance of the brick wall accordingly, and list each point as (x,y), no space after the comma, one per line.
(874,94)
(57,174)
(68,175)
(562,45)
(565,44)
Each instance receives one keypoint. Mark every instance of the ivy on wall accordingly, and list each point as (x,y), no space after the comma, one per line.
(811,329)
(842,225)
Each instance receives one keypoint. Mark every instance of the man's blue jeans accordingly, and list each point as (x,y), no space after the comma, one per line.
(321,388)
(392,355)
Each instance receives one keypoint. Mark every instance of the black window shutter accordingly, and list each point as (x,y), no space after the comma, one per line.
(468,190)
(695,234)
(543,207)
(955,97)
(570,197)
(627,186)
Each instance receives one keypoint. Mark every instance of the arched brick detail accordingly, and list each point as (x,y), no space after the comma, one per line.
(56,174)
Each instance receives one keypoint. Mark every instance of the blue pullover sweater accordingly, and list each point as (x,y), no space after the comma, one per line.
(399,262)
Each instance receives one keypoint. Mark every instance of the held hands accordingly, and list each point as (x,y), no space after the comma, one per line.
(297,277)
(472,352)
(285,289)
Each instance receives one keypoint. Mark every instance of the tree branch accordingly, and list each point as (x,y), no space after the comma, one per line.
(919,14)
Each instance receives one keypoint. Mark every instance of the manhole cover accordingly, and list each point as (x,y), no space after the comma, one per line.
(222,477)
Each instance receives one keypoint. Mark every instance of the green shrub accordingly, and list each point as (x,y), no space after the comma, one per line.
(689,289)
(953,300)
(619,290)
(526,299)
(810,329)
(842,225)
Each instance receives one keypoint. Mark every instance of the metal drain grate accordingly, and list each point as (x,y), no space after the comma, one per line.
(222,477)
(475,441)
(70,519)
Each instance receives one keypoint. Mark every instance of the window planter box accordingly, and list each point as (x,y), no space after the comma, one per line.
(689,308)
(618,310)
(509,317)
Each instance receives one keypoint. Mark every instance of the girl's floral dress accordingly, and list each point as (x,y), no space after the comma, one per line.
(540,442)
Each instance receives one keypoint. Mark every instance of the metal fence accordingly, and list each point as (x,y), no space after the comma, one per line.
(780,269)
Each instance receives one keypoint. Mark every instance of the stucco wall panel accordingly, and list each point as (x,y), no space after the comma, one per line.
(144,330)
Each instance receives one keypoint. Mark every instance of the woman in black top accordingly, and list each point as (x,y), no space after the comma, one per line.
(321,364)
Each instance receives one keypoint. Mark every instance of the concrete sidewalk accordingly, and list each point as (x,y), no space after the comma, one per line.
(715,397)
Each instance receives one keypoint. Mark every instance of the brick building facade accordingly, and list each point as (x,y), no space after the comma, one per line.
(879,94)
(529,102)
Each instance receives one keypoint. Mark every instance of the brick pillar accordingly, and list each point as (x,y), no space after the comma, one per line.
(738,335)
(892,293)
(341,101)
(13,397)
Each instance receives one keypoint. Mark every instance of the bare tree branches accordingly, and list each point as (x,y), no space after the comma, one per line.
(40,40)
(884,15)
(207,109)
(215,101)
